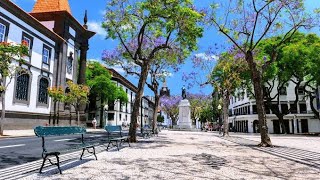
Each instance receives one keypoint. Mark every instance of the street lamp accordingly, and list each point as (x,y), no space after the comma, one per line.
(219,114)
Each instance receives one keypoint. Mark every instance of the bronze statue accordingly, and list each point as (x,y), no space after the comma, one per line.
(184,93)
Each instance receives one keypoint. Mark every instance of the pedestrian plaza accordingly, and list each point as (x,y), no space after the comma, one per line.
(199,155)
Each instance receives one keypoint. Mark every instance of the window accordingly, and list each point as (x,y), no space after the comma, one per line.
(2,32)
(254,109)
(43,91)
(28,41)
(22,87)
(303,108)
(69,63)
(300,90)
(111,106)
(283,91)
(45,55)
(284,108)
(110,116)
(293,108)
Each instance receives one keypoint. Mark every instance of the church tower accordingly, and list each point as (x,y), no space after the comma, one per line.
(56,15)
(165,91)
(51,6)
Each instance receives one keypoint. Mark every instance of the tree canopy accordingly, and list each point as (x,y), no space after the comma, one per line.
(150,30)
(99,81)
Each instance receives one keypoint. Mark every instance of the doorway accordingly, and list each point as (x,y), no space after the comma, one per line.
(304,126)
(276,127)
(256,126)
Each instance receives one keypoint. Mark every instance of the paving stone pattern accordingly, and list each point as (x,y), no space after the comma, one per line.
(188,155)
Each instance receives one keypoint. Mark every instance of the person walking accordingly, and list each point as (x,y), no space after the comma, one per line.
(94,123)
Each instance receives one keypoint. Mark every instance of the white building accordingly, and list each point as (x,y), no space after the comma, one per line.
(55,45)
(26,95)
(243,115)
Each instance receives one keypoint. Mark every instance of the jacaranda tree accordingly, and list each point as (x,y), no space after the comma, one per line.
(169,104)
(246,22)
(147,30)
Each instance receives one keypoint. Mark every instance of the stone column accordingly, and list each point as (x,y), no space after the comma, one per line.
(83,63)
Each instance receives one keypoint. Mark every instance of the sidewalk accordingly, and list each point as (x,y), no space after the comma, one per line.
(187,155)
(30,132)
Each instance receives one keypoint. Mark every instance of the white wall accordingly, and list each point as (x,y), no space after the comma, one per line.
(15,36)
(314,125)
(117,111)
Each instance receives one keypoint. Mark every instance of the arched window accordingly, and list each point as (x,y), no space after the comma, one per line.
(22,87)
(43,91)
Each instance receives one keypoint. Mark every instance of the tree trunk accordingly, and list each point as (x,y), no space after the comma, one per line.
(78,117)
(314,110)
(155,112)
(101,112)
(3,112)
(70,118)
(226,113)
(137,102)
(281,122)
(279,115)
(258,90)
(54,113)
(58,116)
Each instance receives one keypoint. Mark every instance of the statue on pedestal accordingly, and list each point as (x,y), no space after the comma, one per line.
(184,93)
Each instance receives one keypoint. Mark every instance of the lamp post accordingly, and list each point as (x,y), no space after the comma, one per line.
(219,114)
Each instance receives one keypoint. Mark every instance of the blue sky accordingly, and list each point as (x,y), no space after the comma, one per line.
(98,43)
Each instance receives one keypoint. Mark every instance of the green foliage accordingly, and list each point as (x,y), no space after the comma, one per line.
(8,52)
(56,93)
(160,119)
(147,27)
(229,73)
(297,58)
(78,94)
(98,79)
(206,114)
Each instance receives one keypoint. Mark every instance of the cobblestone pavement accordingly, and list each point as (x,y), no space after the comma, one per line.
(191,155)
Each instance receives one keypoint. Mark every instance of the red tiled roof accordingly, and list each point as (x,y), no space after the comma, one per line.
(51,6)
(24,16)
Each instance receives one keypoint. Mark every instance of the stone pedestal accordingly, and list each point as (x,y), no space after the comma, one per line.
(184,115)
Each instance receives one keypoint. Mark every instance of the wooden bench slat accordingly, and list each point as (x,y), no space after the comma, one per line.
(41,131)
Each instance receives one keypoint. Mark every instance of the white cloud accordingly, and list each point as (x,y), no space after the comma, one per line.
(208,57)
(102,12)
(97,27)
(94,59)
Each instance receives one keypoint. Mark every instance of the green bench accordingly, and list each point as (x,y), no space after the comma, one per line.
(44,132)
(115,136)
